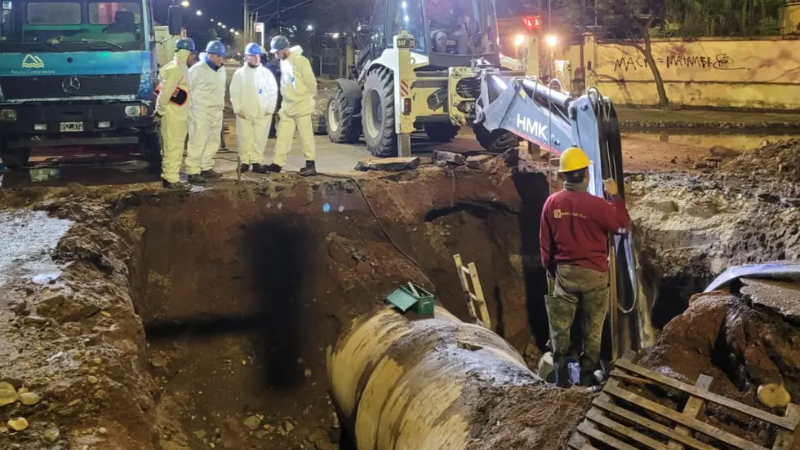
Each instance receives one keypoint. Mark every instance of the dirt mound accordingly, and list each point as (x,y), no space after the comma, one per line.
(779,160)
(532,416)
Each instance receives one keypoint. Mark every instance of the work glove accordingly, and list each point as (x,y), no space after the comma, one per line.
(157,117)
(611,188)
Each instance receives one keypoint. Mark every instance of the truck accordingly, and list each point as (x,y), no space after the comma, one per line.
(78,73)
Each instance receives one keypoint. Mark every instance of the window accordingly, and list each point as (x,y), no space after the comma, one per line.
(407,15)
(52,13)
(106,13)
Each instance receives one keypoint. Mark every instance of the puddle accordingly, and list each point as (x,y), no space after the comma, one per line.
(741,142)
(26,240)
(130,172)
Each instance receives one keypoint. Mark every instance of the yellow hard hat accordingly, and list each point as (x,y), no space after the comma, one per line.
(573,159)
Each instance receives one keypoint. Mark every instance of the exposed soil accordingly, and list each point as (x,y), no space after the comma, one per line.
(189,321)
(153,320)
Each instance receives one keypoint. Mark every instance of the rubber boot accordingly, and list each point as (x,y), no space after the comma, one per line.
(179,186)
(562,371)
(309,170)
(244,168)
(259,168)
(210,174)
(196,179)
(274,168)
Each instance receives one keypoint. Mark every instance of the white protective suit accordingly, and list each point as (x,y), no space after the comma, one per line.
(254,95)
(173,87)
(207,85)
(298,88)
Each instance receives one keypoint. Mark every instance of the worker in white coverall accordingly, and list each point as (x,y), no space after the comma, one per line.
(207,83)
(254,95)
(298,89)
(172,110)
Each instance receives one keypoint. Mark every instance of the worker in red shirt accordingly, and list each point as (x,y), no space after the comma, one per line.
(573,239)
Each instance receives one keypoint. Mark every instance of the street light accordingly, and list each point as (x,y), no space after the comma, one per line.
(310,28)
(185,3)
(551,40)
(236,33)
(335,35)
(519,40)
(199,13)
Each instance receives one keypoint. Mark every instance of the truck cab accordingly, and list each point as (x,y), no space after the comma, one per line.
(76,73)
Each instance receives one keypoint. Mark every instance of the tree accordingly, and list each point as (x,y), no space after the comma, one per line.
(629,22)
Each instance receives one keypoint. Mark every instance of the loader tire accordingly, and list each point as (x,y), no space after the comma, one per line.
(441,132)
(378,114)
(14,158)
(150,147)
(498,141)
(343,128)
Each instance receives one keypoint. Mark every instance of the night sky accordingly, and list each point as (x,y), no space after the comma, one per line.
(230,12)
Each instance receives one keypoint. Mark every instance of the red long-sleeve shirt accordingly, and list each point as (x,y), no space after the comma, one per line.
(575,226)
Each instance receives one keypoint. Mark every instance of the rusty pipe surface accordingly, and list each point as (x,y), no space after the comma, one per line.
(418,384)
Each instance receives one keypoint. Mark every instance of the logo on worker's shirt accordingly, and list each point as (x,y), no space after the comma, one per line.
(32,62)
(557,213)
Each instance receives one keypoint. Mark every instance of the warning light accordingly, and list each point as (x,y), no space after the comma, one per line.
(532,22)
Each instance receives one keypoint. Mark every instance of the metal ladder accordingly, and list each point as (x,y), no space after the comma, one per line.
(471,284)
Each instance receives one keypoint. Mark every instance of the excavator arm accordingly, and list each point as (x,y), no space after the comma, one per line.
(556,122)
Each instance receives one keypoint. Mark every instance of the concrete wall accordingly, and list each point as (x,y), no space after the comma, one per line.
(708,72)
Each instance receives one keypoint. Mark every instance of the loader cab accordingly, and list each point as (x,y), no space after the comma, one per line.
(451,33)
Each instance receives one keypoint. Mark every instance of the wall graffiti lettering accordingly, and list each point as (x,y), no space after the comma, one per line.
(720,62)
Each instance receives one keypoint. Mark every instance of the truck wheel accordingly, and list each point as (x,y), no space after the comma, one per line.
(378,117)
(343,128)
(16,158)
(441,132)
(498,141)
(150,148)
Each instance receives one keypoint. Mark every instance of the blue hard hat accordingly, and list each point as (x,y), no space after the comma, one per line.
(252,49)
(279,43)
(215,48)
(185,44)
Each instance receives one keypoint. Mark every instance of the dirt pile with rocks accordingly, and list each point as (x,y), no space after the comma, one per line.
(740,345)
(778,160)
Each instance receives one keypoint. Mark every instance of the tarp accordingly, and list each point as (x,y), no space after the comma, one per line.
(776,270)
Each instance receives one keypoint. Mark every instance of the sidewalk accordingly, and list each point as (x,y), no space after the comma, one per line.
(698,118)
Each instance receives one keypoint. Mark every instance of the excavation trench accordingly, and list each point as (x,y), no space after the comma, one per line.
(239,291)
(242,291)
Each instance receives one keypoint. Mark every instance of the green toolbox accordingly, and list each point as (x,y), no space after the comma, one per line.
(412,297)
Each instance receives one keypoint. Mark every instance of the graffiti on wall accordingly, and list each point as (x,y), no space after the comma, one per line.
(721,61)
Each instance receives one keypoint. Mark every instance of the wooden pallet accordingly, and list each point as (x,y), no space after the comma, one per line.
(613,423)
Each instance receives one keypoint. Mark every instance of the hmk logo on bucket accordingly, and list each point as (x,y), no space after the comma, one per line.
(32,62)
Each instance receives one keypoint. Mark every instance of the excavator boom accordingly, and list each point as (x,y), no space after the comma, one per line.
(556,122)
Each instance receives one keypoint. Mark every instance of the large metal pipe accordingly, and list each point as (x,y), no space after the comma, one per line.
(417,384)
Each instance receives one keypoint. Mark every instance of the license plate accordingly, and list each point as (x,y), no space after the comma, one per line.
(406,43)
(71,127)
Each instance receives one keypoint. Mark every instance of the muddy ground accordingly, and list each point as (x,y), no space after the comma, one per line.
(152,320)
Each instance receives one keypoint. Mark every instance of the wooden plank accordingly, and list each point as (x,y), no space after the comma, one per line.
(596,416)
(786,439)
(630,379)
(783,422)
(694,408)
(677,417)
(579,442)
(460,269)
(652,425)
(590,430)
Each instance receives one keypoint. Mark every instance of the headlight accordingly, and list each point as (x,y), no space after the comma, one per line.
(8,115)
(135,111)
